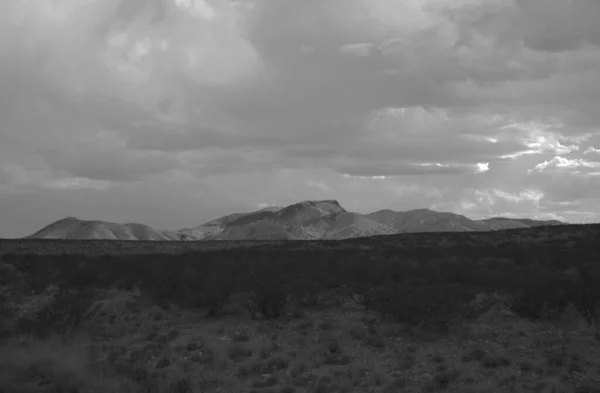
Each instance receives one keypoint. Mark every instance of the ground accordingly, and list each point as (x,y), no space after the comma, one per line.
(130,344)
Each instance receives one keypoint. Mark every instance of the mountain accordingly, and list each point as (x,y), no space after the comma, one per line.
(304,220)
(307,220)
(527,222)
(73,228)
(348,225)
(292,222)
(214,227)
(425,220)
(259,230)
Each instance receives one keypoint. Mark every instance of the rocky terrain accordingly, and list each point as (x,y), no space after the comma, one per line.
(308,220)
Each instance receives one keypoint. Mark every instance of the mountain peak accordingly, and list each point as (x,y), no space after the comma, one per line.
(319,201)
(423,210)
(310,209)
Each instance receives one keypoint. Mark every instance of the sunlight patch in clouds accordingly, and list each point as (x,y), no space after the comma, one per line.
(564,163)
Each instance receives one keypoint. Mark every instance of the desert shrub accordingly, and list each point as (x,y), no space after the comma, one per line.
(268,298)
(433,306)
(60,365)
(210,292)
(535,294)
(81,272)
(162,285)
(68,310)
(8,286)
(182,385)
(215,296)
(360,276)
(308,292)
(584,294)
(5,308)
(6,312)
(37,272)
(238,352)
(442,380)
(207,284)
(372,298)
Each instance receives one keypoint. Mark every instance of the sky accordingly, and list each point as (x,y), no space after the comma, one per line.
(171,113)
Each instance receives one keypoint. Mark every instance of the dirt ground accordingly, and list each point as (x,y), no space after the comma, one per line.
(132,345)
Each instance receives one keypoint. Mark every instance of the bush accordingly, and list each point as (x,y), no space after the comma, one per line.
(536,294)
(163,285)
(210,293)
(6,312)
(67,311)
(215,298)
(584,294)
(308,292)
(37,272)
(430,306)
(8,283)
(269,299)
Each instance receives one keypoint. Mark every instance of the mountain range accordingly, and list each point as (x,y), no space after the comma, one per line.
(308,220)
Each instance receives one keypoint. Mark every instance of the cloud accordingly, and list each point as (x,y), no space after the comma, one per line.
(489,202)
(18,179)
(102,158)
(559,163)
(238,103)
(407,169)
(482,167)
(592,150)
(362,49)
(320,186)
(71,72)
(559,25)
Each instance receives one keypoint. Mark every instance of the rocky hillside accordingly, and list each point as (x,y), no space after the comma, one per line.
(527,222)
(73,228)
(329,220)
(297,221)
(306,220)
(425,220)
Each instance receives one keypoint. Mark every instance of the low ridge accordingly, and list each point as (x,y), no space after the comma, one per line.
(73,228)
(306,220)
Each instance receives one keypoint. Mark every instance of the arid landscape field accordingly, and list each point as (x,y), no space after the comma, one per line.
(299,196)
(502,311)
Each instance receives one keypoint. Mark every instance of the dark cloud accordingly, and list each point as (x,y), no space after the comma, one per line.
(560,25)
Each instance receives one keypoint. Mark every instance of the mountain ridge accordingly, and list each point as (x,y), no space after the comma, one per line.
(305,220)
(74,228)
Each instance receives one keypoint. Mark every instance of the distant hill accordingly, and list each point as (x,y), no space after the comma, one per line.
(73,228)
(529,222)
(425,220)
(307,220)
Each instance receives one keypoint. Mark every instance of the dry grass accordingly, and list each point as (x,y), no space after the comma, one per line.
(144,348)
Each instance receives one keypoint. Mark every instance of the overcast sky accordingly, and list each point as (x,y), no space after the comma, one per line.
(174,112)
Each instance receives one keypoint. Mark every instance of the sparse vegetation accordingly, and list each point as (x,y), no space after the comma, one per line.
(316,316)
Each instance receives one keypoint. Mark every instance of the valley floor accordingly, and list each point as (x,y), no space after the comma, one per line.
(133,345)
